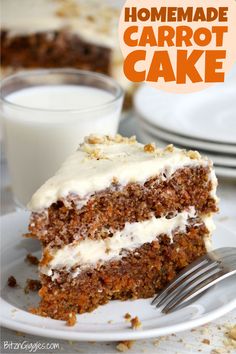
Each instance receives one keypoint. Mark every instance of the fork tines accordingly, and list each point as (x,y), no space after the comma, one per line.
(197,277)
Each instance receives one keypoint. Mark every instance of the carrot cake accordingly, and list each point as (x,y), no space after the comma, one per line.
(77,34)
(118,220)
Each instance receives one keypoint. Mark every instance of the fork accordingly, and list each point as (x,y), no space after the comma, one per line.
(196,278)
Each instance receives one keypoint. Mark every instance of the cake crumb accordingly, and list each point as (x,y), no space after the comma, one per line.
(206,341)
(71,319)
(124,345)
(156,342)
(135,322)
(31,259)
(150,147)
(230,337)
(19,334)
(11,281)
(127,316)
(218,351)
(32,285)
(232,332)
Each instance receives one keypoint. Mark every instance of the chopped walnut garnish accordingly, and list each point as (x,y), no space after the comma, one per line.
(31,259)
(169,148)
(107,139)
(32,285)
(71,319)
(12,282)
(124,345)
(135,323)
(96,154)
(194,155)
(115,180)
(94,139)
(150,147)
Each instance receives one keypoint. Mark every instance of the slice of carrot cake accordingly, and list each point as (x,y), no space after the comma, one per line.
(118,221)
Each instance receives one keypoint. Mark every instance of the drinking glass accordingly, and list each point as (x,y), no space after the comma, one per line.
(46,114)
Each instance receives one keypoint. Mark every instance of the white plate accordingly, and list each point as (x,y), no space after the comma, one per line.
(221,170)
(206,115)
(182,140)
(94,326)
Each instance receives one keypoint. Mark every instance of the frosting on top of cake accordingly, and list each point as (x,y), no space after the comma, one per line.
(94,20)
(101,161)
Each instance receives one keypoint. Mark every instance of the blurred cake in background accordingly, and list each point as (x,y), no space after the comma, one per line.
(77,34)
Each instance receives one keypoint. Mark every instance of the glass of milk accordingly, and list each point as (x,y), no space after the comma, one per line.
(46,114)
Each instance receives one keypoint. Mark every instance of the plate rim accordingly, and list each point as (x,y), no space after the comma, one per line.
(173,131)
(211,146)
(221,171)
(120,334)
(167,138)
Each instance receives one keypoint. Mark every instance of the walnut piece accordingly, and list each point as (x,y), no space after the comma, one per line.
(107,139)
(150,147)
(169,148)
(194,155)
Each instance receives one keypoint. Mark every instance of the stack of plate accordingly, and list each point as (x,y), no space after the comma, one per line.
(204,121)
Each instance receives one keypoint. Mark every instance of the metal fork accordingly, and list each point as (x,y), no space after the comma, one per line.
(196,278)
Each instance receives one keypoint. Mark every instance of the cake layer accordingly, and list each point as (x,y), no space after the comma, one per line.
(101,161)
(139,274)
(87,253)
(53,50)
(105,212)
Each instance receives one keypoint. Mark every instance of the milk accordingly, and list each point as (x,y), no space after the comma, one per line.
(45,124)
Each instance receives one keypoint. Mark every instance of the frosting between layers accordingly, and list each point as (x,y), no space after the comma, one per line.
(95,166)
(90,252)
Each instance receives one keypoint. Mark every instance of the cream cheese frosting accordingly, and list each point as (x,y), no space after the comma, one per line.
(90,252)
(101,160)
